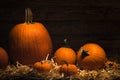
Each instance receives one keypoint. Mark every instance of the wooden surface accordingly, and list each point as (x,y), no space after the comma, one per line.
(80,21)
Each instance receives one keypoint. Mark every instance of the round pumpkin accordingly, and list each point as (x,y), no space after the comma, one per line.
(3,58)
(29,42)
(111,65)
(91,56)
(65,53)
(42,66)
(68,69)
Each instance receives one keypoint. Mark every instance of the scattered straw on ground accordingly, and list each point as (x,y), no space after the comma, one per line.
(19,71)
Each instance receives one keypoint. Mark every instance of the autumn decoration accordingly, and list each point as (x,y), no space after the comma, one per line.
(30,56)
(29,41)
(65,53)
(68,69)
(91,56)
(4,59)
(42,66)
(111,65)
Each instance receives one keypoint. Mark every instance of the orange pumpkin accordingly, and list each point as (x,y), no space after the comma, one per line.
(111,65)
(68,69)
(65,53)
(91,56)
(42,66)
(29,42)
(3,58)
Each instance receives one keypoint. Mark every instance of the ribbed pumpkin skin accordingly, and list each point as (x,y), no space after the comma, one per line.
(95,59)
(68,69)
(29,43)
(42,66)
(3,58)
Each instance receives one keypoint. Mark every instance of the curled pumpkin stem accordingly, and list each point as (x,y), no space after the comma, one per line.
(65,62)
(66,42)
(28,15)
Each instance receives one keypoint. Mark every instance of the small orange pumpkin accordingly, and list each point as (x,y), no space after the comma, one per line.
(65,53)
(29,42)
(111,65)
(3,58)
(42,66)
(68,69)
(91,56)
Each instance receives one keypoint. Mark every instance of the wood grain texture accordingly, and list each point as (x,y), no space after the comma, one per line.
(80,21)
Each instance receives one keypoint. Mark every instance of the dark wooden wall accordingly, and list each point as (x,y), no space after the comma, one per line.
(79,21)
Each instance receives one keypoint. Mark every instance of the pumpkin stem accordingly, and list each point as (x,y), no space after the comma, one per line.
(28,15)
(65,62)
(84,53)
(41,62)
(66,43)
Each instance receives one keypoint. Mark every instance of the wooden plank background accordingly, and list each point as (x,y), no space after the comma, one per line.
(80,21)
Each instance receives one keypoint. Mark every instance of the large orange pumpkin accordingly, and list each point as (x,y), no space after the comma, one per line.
(3,58)
(91,56)
(29,42)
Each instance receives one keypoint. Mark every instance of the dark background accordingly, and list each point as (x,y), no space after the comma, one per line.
(80,21)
